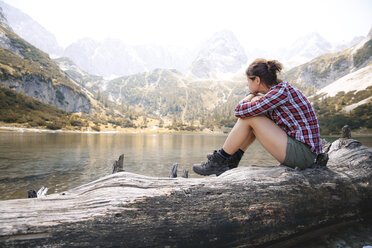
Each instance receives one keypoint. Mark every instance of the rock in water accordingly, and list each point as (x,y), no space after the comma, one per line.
(31,193)
(346,132)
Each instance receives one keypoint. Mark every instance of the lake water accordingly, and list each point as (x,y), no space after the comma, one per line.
(61,161)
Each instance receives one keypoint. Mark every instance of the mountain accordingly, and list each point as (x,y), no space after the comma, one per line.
(327,68)
(171,94)
(221,54)
(30,30)
(304,49)
(169,57)
(348,100)
(4,21)
(164,94)
(112,57)
(308,47)
(27,69)
(340,46)
(168,94)
(19,108)
(106,59)
(355,81)
(80,77)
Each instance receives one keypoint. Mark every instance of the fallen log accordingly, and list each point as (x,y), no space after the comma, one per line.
(253,206)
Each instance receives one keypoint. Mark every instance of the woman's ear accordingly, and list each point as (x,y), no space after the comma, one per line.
(257,80)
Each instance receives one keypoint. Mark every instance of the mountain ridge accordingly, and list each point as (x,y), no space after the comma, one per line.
(354,81)
(29,70)
(327,68)
(113,57)
(221,54)
(102,59)
(30,30)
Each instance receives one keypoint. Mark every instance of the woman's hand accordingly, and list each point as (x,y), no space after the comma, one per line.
(249,97)
(252,98)
(256,98)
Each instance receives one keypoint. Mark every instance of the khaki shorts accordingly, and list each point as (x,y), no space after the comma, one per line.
(298,154)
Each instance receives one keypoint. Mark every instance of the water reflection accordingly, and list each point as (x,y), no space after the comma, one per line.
(63,161)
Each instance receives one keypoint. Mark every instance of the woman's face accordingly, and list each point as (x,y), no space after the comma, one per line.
(253,84)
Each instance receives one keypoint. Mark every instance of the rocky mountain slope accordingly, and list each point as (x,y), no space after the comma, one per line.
(310,46)
(327,68)
(3,20)
(355,81)
(161,93)
(169,93)
(353,108)
(221,54)
(27,69)
(112,57)
(30,30)
(304,49)
(79,76)
(19,108)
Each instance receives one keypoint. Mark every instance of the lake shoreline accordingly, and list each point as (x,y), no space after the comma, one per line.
(21,129)
(122,131)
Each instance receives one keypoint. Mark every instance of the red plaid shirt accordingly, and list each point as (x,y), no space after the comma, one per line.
(290,110)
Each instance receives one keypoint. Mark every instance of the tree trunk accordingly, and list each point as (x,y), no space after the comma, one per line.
(248,207)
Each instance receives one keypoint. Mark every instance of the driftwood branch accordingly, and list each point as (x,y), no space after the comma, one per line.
(173,173)
(118,166)
(185,173)
(247,206)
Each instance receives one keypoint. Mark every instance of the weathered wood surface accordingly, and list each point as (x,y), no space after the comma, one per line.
(245,207)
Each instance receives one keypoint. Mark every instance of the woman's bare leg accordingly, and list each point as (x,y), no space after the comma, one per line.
(270,135)
(240,137)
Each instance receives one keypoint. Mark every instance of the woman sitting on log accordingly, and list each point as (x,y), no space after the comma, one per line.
(283,121)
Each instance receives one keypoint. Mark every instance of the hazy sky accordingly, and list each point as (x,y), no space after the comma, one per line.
(257,24)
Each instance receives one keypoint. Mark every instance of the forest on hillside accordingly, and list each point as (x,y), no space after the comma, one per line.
(333,116)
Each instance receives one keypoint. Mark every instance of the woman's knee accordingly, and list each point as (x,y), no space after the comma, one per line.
(251,121)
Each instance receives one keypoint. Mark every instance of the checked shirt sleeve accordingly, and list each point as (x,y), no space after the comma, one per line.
(274,98)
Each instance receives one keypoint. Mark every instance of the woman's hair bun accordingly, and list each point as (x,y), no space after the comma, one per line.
(266,70)
(274,66)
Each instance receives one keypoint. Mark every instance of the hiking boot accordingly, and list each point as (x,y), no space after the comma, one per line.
(232,161)
(216,165)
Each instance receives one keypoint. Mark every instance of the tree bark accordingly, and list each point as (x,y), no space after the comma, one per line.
(256,206)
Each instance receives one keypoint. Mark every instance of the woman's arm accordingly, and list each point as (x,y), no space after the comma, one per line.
(274,98)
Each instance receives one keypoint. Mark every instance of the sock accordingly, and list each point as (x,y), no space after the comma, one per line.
(240,153)
(224,154)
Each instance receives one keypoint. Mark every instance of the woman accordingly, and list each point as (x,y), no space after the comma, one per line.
(282,120)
